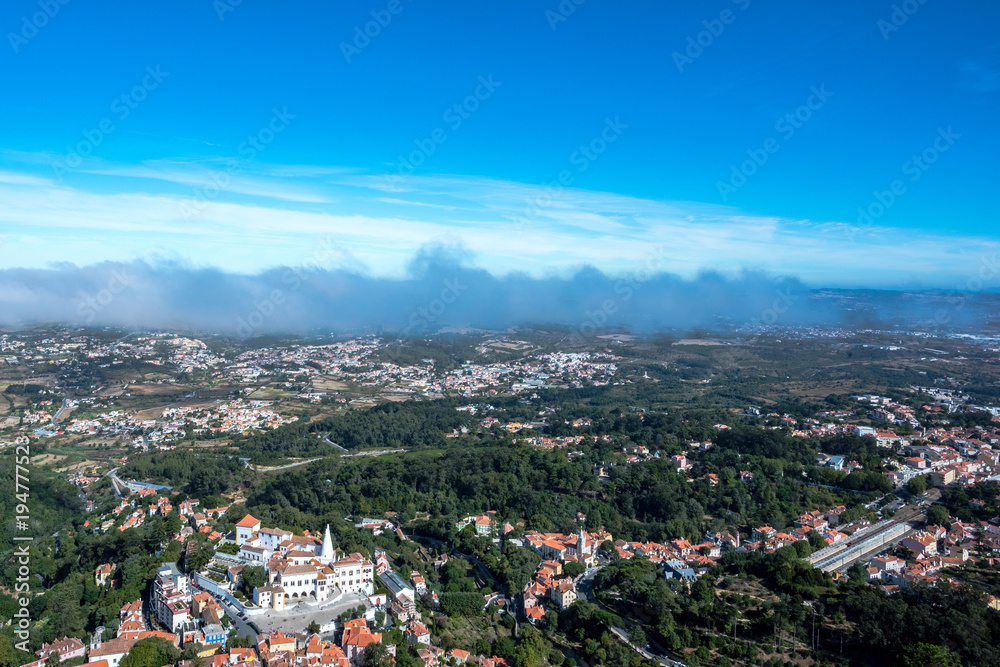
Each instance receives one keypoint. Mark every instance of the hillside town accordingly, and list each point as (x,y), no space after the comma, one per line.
(878,477)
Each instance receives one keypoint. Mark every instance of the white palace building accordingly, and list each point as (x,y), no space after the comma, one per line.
(300,568)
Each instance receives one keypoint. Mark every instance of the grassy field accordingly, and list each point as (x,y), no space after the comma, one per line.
(77,455)
(269,394)
(327,383)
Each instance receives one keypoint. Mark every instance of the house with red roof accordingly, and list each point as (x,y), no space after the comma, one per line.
(356,639)
(246,528)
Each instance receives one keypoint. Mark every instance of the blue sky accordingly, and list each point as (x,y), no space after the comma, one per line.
(200,77)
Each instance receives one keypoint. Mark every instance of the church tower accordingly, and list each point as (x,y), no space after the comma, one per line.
(328,554)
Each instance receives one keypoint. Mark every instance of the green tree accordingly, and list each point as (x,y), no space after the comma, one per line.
(67,617)
(531,650)
(802,548)
(198,554)
(461,604)
(377,655)
(172,523)
(917,485)
(541,523)
(503,647)
(151,652)
(191,652)
(857,572)
(937,516)
(930,655)
(816,540)
(252,577)
(8,655)
(228,548)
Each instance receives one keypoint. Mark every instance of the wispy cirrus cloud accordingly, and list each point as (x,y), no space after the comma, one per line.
(268,215)
(197,175)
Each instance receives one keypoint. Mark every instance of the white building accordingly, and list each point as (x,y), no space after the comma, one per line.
(247,529)
(171,597)
(300,567)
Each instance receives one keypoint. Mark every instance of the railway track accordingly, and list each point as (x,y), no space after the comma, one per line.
(865,542)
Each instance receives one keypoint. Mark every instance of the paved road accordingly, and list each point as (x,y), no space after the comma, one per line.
(295,619)
(298,617)
(586,586)
(388,451)
(62,408)
(247,463)
(243,628)
(115,481)
(648,655)
(345,453)
(327,440)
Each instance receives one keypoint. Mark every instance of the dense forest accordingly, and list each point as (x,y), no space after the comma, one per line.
(490,469)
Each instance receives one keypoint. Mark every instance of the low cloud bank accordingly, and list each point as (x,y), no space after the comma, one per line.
(441,290)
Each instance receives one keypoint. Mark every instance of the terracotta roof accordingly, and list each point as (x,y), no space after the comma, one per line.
(297,553)
(115,646)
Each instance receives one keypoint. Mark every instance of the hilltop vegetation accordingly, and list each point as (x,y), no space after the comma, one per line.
(469,454)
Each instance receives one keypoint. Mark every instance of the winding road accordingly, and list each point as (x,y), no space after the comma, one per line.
(62,409)
(586,586)
(327,440)
(116,481)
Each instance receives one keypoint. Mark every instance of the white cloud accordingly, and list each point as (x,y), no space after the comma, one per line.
(272,215)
